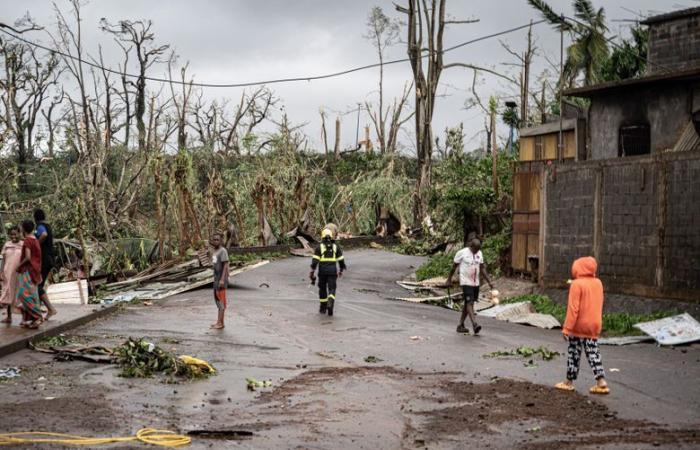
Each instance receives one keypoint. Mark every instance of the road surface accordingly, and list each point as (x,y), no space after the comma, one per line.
(431,388)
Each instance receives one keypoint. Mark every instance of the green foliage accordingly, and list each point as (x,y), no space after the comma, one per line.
(589,50)
(437,265)
(463,186)
(245,258)
(142,359)
(418,247)
(493,248)
(628,59)
(525,352)
(53,341)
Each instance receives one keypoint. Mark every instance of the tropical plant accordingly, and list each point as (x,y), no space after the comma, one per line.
(589,51)
(628,59)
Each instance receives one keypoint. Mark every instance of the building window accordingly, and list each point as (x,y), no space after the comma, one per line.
(634,140)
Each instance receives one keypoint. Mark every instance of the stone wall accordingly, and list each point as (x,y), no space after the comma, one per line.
(639,216)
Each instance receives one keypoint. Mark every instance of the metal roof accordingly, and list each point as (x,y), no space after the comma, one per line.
(548,128)
(590,91)
(671,16)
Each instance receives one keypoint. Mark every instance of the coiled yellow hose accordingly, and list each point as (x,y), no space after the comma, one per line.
(161,438)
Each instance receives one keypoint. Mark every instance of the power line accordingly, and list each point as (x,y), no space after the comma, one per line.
(3,29)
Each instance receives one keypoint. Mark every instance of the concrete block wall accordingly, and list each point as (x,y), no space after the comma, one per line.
(639,216)
(674,44)
(681,239)
(570,200)
(629,224)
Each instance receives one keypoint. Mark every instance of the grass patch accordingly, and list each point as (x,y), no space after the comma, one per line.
(246,258)
(436,266)
(614,323)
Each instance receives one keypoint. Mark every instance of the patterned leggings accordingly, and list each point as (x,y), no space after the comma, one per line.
(590,346)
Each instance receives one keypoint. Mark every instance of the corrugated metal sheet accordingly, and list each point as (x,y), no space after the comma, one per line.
(689,139)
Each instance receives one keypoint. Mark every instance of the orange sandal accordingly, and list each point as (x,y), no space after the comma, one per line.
(600,390)
(564,387)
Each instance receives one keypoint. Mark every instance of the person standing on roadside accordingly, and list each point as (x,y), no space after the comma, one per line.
(470,262)
(29,271)
(220,262)
(44,235)
(583,324)
(11,257)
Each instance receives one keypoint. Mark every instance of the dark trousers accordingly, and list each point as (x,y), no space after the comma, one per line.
(573,360)
(326,287)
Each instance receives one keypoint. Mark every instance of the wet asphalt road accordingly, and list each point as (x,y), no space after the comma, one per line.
(276,333)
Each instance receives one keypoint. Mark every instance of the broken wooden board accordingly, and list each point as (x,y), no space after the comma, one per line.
(160,290)
(674,330)
(68,293)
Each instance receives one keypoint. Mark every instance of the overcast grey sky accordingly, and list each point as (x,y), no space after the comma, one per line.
(230,41)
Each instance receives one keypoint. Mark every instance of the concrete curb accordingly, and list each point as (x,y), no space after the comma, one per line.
(23,342)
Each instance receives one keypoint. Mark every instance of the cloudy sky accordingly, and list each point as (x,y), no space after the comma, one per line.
(232,41)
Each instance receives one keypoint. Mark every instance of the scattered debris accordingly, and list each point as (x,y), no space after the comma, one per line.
(525,352)
(10,372)
(68,293)
(147,303)
(165,282)
(614,369)
(624,340)
(143,359)
(263,285)
(221,434)
(522,313)
(373,359)
(675,330)
(53,341)
(376,245)
(416,338)
(254,384)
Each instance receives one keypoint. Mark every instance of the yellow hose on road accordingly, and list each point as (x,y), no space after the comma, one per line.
(161,438)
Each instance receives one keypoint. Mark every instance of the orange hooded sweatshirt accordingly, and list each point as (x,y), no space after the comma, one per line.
(584,313)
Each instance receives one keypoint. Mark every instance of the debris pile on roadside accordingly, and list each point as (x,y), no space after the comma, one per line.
(167,279)
(137,358)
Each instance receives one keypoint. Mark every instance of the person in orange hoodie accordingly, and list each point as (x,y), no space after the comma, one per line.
(584,322)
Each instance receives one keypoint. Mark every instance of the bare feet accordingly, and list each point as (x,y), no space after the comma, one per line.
(51,313)
(217,326)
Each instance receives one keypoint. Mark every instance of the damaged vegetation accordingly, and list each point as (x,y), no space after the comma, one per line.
(142,359)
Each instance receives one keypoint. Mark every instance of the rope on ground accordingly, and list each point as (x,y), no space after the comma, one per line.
(162,438)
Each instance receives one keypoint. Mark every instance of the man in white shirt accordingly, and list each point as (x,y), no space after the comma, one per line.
(470,261)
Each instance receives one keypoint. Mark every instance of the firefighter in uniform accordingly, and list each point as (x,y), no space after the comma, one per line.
(327,257)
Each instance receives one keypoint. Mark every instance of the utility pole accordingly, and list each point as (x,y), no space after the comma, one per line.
(494,152)
(357,130)
(560,147)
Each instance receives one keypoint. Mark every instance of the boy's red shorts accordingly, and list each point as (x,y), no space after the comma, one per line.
(220,298)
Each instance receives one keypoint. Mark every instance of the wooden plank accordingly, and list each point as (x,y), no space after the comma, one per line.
(533,247)
(527,148)
(550,146)
(519,252)
(534,192)
(521,185)
(570,144)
